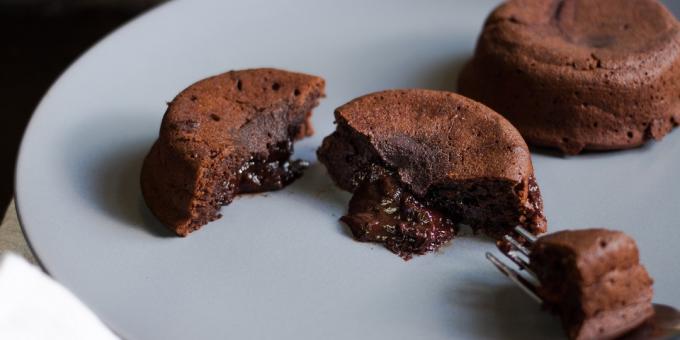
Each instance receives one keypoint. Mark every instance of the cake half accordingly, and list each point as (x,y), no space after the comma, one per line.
(223,136)
(594,281)
(420,162)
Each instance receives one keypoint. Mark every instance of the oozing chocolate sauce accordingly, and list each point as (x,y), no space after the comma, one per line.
(381,211)
(272,173)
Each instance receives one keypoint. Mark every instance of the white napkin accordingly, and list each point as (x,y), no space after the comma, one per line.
(33,306)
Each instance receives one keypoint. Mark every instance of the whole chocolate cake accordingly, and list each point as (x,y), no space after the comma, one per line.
(223,136)
(580,74)
(420,161)
(594,280)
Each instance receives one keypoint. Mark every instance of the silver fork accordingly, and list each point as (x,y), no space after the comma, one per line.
(665,324)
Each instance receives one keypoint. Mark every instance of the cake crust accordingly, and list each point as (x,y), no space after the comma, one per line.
(429,137)
(580,74)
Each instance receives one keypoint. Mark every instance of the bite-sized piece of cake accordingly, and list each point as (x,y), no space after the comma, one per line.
(223,136)
(455,159)
(594,280)
(580,74)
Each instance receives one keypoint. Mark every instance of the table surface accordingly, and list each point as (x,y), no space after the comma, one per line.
(11,237)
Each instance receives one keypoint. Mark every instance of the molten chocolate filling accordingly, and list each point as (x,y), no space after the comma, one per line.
(381,211)
(258,174)
(272,173)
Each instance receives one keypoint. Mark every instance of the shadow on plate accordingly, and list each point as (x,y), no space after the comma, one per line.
(107,167)
(115,186)
(503,312)
(317,186)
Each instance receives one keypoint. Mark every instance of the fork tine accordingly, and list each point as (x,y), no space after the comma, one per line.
(515,277)
(515,244)
(526,234)
(521,262)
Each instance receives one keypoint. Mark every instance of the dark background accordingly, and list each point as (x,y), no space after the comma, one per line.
(39,39)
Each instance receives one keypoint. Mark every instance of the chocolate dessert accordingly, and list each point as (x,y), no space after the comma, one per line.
(421,161)
(223,136)
(594,280)
(580,74)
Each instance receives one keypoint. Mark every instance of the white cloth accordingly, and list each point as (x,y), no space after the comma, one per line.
(33,306)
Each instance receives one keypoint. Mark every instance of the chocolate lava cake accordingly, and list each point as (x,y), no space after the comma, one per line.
(580,74)
(227,135)
(594,280)
(421,161)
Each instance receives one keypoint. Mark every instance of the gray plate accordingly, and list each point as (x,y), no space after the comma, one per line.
(279,265)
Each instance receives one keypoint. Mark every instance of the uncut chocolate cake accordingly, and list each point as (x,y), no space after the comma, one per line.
(594,280)
(223,136)
(580,74)
(421,161)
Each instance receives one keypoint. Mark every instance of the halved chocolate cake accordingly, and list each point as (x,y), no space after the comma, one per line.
(227,135)
(421,161)
(594,280)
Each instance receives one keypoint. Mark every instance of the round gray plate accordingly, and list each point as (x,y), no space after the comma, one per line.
(280,265)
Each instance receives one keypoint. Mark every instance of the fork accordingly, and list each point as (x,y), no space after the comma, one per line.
(665,324)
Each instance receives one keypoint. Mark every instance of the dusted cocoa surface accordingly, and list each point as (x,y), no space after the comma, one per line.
(225,135)
(450,153)
(593,279)
(580,74)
